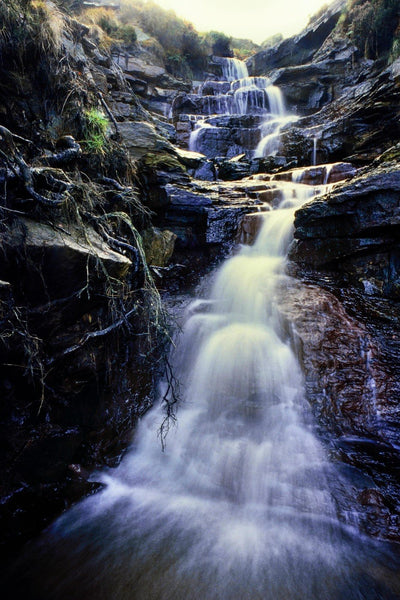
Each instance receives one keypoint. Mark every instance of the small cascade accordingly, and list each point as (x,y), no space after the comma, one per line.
(200,125)
(314,154)
(255,97)
(233,68)
(269,144)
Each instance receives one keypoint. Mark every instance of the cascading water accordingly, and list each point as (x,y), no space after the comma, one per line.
(239,505)
(246,96)
(233,68)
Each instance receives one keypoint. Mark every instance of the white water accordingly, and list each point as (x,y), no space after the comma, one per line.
(233,68)
(269,145)
(239,506)
(247,96)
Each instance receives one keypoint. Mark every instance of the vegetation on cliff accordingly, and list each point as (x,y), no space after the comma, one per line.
(373,26)
(175,40)
(82,330)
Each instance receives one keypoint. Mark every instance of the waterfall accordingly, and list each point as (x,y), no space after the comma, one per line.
(314,153)
(233,68)
(246,96)
(269,144)
(239,505)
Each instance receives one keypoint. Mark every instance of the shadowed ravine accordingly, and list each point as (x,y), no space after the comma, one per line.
(240,504)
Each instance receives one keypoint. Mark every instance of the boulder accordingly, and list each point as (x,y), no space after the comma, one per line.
(64,257)
(141,137)
(158,246)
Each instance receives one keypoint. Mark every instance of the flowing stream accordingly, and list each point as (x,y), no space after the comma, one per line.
(239,505)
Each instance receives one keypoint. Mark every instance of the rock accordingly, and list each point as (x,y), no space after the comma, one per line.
(307,88)
(249,227)
(233,169)
(181,196)
(355,227)
(339,359)
(63,256)
(138,86)
(301,48)
(5,298)
(215,88)
(206,171)
(141,137)
(139,68)
(193,104)
(354,393)
(189,158)
(319,174)
(158,246)
(222,224)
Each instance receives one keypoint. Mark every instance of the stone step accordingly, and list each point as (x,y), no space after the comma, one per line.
(318,174)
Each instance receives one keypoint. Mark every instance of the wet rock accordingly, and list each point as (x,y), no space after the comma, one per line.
(193,104)
(356,228)
(63,256)
(249,227)
(319,174)
(357,126)
(234,168)
(189,158)
(222,224)
(185,197)
(207,171)
(307,88)
(346,382)
(158,246)
(354,394)
(226,141)
(5,297)
(215,88)
(141,137)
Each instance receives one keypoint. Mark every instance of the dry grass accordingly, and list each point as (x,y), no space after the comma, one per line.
(31,27)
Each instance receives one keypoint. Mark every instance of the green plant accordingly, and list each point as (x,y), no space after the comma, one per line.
(96,127)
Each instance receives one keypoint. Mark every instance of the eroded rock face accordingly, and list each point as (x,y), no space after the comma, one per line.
(358,125)
(299,49)
(355,229)
(354,394)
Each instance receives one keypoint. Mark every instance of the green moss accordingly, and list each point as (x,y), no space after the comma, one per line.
(163,161)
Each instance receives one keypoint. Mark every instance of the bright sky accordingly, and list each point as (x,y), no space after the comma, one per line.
(254,19)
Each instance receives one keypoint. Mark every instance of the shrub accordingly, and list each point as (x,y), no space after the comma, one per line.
(371,25)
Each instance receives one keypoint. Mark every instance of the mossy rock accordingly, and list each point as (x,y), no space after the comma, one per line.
(390,155)
(163,162)
(158,246)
